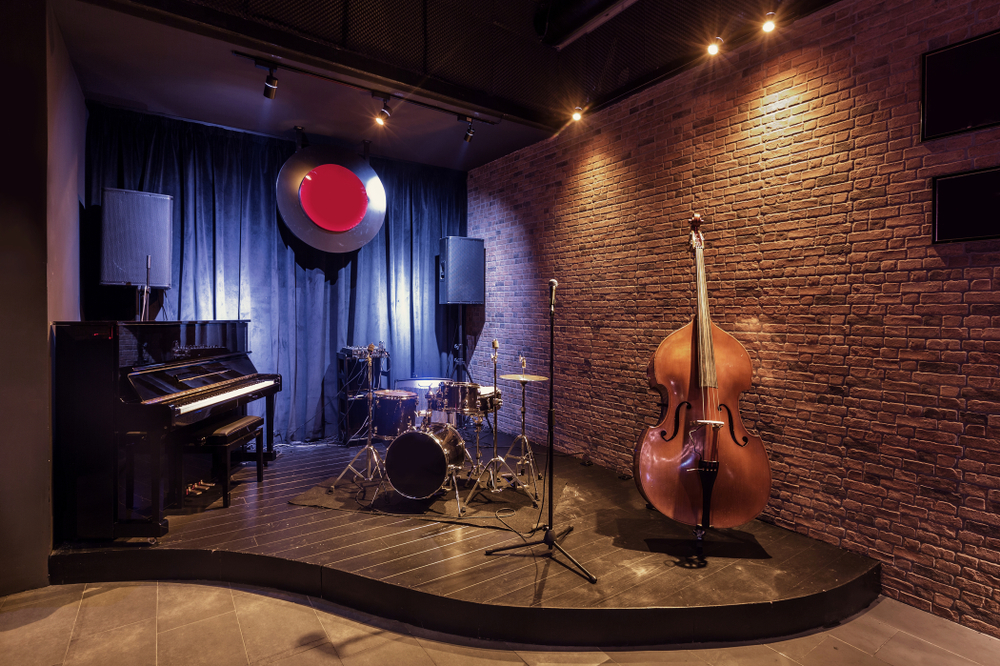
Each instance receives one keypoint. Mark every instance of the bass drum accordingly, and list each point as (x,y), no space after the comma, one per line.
(417,462)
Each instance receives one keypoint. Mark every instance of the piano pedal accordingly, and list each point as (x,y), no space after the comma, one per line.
(192,490)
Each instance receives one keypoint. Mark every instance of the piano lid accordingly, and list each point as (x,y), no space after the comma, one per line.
(152,343)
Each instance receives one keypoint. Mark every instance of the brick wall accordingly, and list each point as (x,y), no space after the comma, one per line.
(875,353)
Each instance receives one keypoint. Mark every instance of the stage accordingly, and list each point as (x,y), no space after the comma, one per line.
(430,569)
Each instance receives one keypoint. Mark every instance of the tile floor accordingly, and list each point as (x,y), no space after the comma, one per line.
(191,623)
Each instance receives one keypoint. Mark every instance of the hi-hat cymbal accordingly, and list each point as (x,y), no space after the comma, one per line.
(525,378)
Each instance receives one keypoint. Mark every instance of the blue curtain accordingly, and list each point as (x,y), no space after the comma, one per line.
(234,259)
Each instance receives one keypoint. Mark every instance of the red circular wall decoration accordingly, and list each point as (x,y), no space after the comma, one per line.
(333,197)
(330,198)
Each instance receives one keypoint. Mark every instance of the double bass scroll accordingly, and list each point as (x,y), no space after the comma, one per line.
(699,465)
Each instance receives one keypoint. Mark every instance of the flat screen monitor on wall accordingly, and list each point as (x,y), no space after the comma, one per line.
(967,206)
(960,92)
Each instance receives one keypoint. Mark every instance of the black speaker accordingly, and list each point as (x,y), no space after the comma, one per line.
(134,226)
(966,205)
(462,271)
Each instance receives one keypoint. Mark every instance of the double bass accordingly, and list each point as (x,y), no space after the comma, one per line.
(699,465)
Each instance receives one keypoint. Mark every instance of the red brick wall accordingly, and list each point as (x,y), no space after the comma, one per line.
(875,353)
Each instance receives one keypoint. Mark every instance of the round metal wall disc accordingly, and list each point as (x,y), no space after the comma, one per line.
(330,198)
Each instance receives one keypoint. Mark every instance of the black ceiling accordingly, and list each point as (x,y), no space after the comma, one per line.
(519,62)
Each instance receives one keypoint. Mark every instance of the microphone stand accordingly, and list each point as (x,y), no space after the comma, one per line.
(550,536)
(373,462)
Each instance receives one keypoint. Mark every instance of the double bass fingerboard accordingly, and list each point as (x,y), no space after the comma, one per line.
(706,351)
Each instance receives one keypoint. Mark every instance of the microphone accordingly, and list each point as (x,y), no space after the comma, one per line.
(371,347)
(496,345)
(552,294)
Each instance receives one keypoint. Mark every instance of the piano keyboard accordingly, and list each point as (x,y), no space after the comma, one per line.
(225,395)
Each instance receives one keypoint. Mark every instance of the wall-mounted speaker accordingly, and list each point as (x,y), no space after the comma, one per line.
(462,271)
(134,226)
(966,205)
(957,96)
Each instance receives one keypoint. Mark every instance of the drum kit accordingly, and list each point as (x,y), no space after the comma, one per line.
(426,452)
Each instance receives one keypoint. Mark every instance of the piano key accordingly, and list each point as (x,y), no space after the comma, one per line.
(226,395)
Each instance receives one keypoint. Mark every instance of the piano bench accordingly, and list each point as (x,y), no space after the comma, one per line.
(232,435)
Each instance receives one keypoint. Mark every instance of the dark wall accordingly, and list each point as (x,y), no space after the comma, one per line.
(875,352)
(25,442)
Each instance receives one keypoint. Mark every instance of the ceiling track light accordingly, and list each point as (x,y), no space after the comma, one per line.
(577,113)
(270,84)
(715,46)
(271,87)
(469,132)
(384,113)
(769,22)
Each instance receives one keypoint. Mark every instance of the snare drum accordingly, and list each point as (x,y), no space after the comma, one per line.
(490,399)
(394,412)
(418,462)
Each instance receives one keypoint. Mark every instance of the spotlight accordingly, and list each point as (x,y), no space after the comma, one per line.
(384,113)
(270,85)
(469,132)
(769,22)
(577,113)
(714,47)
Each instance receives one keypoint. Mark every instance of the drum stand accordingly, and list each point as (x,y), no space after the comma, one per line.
(525,460)
(477,464)
(453,478)
(494,470)
(372,455)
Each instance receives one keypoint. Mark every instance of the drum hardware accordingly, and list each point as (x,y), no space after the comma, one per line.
(476,465)
(496,470)
(371,453)
(525,459)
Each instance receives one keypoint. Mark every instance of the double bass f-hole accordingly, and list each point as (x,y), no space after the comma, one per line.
(700,371)
(732,433)
(677,421)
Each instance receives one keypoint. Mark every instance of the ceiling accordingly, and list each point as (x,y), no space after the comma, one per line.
(516,67)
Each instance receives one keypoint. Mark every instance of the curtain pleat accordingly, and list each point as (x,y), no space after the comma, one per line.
(234,259)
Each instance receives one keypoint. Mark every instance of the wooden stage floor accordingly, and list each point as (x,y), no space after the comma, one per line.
(760,581)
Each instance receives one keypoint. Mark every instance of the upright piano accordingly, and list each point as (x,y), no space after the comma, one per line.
(127,394)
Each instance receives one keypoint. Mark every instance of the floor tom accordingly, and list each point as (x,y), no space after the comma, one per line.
(394,412)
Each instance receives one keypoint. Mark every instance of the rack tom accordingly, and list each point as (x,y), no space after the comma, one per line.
(460,397)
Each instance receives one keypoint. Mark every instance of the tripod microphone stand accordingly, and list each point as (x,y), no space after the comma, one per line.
(550,536)
(371,452)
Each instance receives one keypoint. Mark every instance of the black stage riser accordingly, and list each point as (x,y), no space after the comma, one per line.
(597,627)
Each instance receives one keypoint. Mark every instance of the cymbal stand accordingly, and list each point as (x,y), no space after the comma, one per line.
(373,462)
(525,460)
(550,537)
(493,472)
